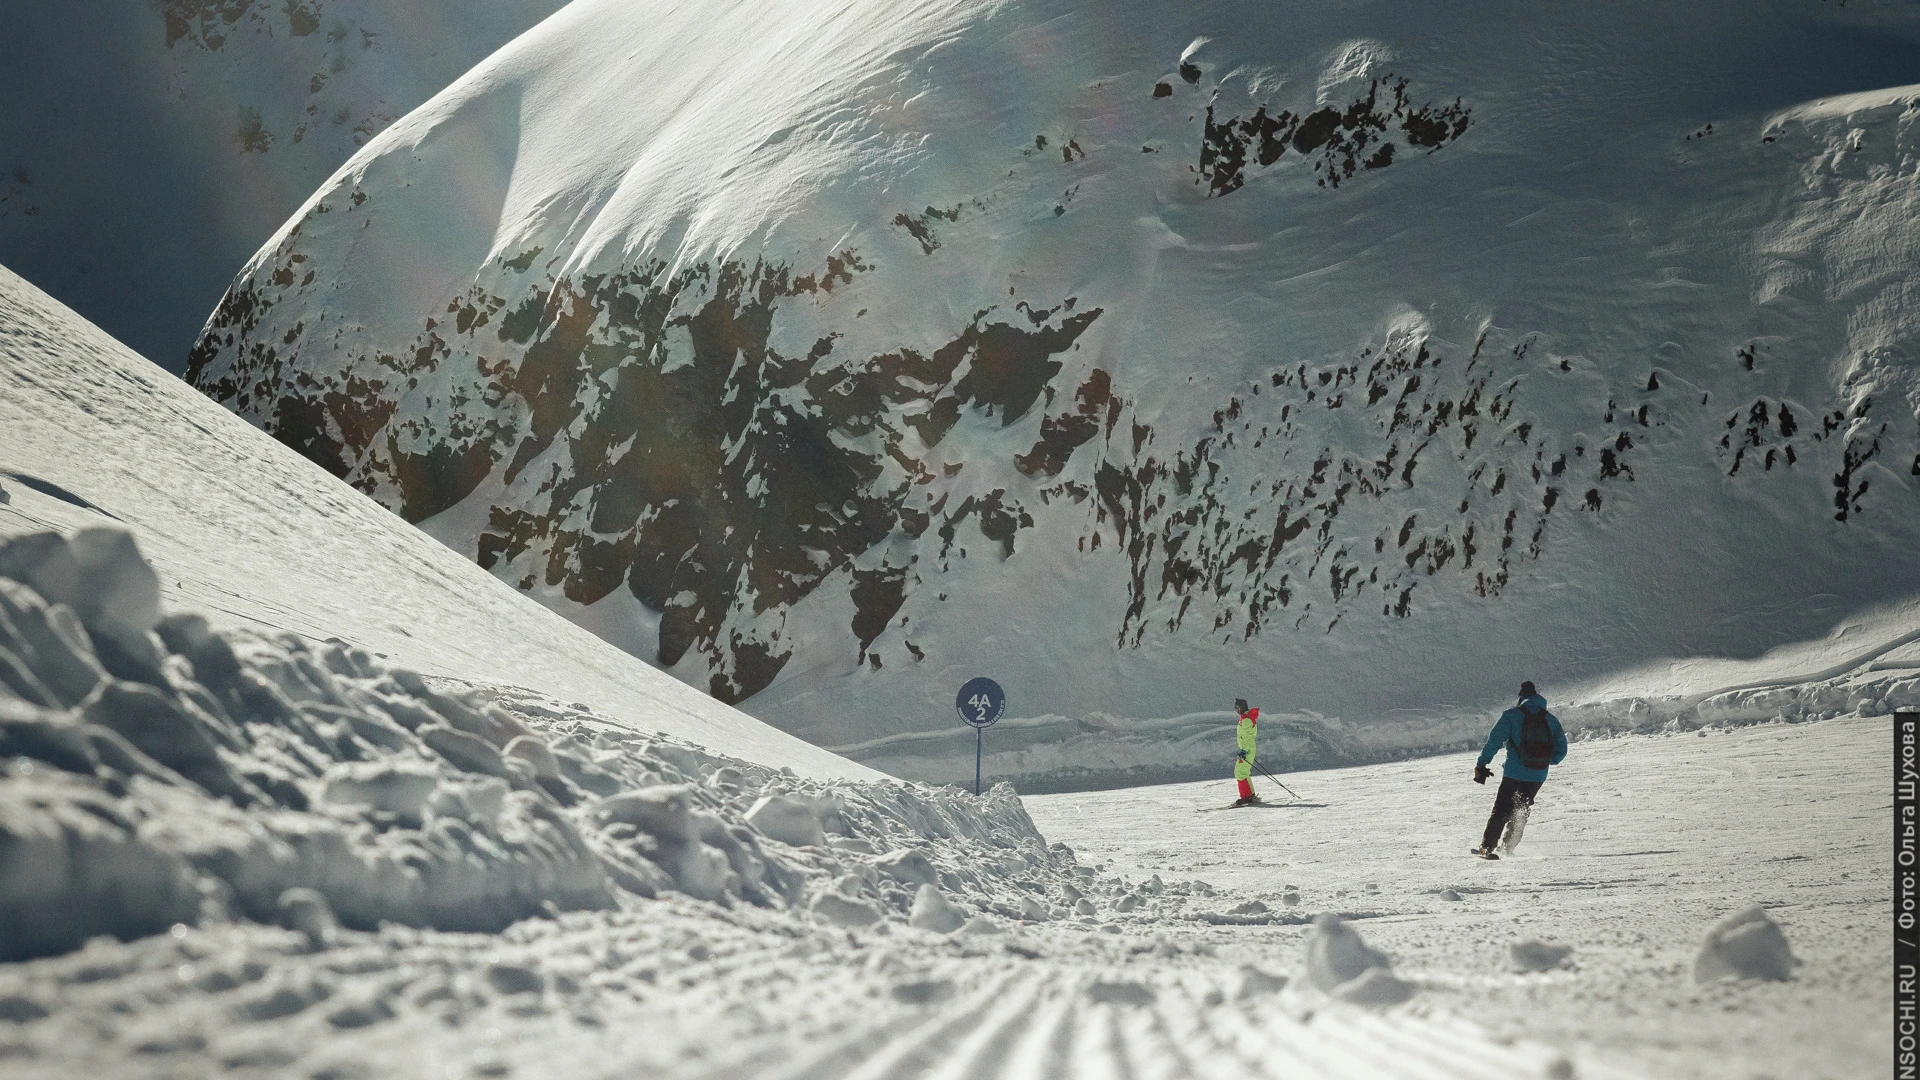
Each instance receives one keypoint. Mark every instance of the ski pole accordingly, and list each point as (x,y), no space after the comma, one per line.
(1270,776)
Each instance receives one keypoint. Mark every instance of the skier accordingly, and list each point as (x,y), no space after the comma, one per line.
(1534,740)
(1245,733)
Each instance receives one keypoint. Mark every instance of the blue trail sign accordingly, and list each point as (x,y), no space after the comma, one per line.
(980,701)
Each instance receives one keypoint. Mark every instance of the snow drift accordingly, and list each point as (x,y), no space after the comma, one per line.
(155,771)
(1356,360)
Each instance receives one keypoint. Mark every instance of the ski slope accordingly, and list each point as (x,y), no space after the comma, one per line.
(1360,359)
(1636,845)
(250,534)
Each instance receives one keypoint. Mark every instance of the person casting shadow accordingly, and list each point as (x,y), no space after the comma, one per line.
(1534,741)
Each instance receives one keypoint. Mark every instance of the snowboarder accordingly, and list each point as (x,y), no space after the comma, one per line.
(1245,733)
(1534,740)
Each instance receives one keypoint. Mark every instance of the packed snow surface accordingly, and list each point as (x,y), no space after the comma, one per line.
(1632,895)
(1365,359)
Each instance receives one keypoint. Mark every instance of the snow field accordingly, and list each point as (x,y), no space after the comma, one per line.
(1057,753)
(1638,847)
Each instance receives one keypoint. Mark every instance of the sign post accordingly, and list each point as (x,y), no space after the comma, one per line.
(980,701)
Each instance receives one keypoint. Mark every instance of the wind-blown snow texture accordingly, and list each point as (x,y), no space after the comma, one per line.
(1361,360)
(149,146)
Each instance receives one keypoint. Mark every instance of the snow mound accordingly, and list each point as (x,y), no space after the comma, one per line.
(1747,944)
(1374,986)
(1341,964)
(932,911)
(156,771)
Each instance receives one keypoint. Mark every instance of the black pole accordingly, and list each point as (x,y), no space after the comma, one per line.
(979,736)
(1270,776)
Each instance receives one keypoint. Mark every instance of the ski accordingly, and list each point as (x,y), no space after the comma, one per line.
(1487,855)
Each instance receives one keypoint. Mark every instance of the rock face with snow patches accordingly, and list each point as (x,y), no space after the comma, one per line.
(1127,352)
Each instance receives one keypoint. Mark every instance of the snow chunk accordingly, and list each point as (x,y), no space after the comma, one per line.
(933,911)
(1335,953)
(1745,945)
(306,911)
(466,751)
(538,756)
(787,820)
(832,907)
(662,811)
(1374,986)
(399,788)
(907,866)
(98,572)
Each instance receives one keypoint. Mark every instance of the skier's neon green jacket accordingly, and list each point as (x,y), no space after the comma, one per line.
(1246,734)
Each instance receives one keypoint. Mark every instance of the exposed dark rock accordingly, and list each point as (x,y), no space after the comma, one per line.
(1340,138)
(715,478)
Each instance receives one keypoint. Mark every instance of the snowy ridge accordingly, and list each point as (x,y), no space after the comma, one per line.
(1141,357)
(251,536)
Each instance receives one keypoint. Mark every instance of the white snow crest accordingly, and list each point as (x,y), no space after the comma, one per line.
(155,772)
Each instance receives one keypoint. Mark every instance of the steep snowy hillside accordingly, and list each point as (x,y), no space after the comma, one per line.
(1361,359)
(149,146)
(245,532)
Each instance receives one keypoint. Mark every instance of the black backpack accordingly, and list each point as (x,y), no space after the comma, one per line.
(1536,739)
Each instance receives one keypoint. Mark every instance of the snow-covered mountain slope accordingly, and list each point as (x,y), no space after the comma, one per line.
(148,147)
(1361,359)
(249,534)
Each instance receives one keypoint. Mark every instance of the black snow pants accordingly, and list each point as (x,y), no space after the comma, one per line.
(1512,792)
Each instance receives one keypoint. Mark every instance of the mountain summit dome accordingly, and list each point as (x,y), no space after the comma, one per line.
(1366,356)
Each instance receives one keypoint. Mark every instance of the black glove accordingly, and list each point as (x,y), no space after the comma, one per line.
(1480,773)
(1242,756)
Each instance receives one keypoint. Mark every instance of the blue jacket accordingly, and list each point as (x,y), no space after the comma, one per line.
(1506,732)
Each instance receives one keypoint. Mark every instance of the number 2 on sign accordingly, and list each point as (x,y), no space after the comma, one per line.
(980,705)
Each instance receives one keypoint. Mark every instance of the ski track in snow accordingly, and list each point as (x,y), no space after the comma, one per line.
(1784,815)
(1636,845)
